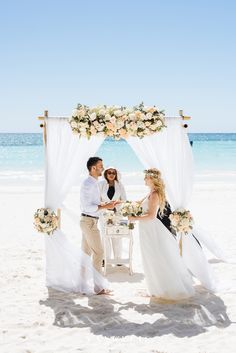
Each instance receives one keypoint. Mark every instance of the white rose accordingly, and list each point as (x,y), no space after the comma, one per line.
(75,112)
(118,113)
(102,112)
(96,124)
(159,123)
(174,222)
(141,125)
(108,117)
(185,222)
(128,110)
(180,209)
(101,127)
(132,116)
(113,120)
(119,124)
(93,116)
(73,124)
(81,112)
(142,116)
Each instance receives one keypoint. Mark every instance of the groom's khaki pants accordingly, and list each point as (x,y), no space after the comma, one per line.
(91,241)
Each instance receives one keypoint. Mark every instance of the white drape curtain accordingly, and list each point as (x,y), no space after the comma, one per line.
(66,157)
(170,152)
(67,267)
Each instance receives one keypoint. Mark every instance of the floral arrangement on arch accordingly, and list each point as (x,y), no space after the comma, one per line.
(181,221)
(117,122)
(45,220)
(131,208)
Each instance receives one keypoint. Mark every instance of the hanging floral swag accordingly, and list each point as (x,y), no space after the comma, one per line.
(181,221)
(116,122)
(45,220)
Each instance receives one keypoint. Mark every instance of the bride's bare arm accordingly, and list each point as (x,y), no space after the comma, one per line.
(140,201)
(152,209)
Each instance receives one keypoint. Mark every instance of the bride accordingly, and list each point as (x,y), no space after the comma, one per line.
(165,272)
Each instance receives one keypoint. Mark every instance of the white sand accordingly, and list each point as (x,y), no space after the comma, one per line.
(35,321)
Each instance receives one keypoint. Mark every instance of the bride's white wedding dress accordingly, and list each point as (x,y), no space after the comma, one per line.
(165,272)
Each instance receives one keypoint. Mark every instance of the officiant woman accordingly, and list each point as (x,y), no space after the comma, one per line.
(112,189)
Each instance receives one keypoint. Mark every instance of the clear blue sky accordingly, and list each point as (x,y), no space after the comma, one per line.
(174,54)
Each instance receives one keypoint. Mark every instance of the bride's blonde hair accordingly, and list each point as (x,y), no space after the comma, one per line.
(159,186)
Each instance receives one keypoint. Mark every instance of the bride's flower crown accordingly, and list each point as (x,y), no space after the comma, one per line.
(152,173)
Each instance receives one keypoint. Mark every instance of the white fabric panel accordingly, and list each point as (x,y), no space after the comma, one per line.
(68,268)
(66,157)
(170,152)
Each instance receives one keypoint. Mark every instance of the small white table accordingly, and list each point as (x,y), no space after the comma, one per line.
(118,232)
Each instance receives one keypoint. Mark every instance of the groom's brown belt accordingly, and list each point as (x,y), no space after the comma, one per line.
(87,215)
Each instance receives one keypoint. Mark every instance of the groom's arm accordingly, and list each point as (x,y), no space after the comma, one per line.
(90,202)
(109,205)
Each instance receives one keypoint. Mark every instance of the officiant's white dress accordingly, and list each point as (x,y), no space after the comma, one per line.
(165,273)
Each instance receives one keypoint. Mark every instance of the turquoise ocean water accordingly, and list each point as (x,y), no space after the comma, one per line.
(21,155)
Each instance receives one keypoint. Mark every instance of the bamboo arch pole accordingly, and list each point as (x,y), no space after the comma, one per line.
(42,118)
(44,127)
(184,117)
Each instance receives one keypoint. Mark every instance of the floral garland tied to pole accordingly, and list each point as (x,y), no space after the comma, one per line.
(116,122)
(181,222)
(45,220)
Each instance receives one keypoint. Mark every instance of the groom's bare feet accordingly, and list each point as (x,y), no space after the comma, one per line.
(143,293)
(161,300)
(105,292)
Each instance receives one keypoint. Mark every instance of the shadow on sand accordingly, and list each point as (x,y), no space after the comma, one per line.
(108,317)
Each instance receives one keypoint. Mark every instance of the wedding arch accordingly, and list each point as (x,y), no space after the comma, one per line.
(66,154)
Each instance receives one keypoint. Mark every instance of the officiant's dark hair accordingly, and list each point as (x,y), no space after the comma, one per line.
(92,161)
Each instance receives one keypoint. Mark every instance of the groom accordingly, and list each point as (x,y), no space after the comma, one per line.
(90,203)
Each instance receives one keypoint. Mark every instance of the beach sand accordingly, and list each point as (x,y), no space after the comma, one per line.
(35,320)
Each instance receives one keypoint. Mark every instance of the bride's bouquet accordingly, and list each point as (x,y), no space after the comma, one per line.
(45,220)
(131,208)
(181,220)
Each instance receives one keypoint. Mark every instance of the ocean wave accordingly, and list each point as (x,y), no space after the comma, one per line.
(203,180)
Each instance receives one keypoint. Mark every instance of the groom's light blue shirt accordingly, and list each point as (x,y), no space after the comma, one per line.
(90,197)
